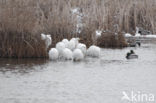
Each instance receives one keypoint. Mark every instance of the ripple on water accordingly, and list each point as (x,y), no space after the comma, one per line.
(98,80)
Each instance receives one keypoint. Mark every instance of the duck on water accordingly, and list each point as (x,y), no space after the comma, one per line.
(131,55)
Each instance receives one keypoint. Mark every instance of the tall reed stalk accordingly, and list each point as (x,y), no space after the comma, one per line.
(22,22)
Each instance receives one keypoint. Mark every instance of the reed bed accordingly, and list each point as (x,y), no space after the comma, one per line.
(22,22)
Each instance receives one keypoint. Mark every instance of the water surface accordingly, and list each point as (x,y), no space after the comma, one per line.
(91,81)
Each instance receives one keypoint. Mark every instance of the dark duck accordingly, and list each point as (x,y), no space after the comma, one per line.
(131,55)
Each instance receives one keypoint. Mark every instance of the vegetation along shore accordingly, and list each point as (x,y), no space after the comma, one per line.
(99,22)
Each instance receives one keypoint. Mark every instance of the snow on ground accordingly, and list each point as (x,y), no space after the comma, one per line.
(128,35)
(139,35)
(98,33)
(72,50)
(146,36)
(151,36)
(47,38)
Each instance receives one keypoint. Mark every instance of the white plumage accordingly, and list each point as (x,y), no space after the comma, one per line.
(60,46)
(78,55)
(67,54)
(53,54)
(93,51)
(82,47)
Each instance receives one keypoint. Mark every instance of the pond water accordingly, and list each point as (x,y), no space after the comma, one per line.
(90,81)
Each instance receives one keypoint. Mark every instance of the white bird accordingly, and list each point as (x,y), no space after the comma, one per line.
(93,51)
(53,54)
(65,41)
(67,54)
(60,46)
(78,55)
(47,39)
(82,47)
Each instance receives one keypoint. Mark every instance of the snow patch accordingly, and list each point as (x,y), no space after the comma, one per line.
(67,54)
(98,33)
(47,39)
(72,50)
(93,51)
(53,54)
(78,55)
(128,35)
(150,36)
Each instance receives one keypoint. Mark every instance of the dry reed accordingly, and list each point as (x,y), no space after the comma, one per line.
(22,22)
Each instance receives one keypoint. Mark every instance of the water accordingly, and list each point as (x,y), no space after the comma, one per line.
(90,81)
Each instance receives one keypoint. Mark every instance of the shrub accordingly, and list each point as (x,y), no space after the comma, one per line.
(22,22)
